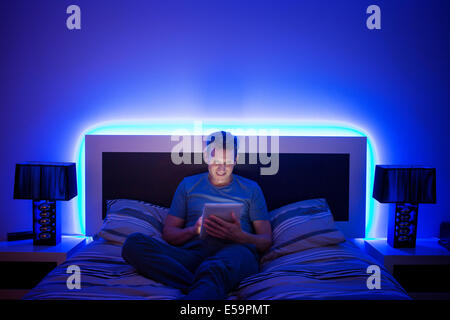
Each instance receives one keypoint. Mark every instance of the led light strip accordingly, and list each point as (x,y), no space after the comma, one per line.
(168,126)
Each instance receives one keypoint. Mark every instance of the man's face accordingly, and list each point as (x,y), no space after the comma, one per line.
(221,165)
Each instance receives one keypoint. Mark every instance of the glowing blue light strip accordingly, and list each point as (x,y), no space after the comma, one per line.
(284,128)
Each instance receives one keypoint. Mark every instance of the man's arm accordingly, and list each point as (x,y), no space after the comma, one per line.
(262,238)
(174,231)
(175,234)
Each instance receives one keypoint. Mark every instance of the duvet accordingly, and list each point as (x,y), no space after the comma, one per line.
(328,272)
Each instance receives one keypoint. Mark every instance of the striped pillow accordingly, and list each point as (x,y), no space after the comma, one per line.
(124,216)
(301,225)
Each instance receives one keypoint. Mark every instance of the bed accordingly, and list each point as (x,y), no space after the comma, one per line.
(316,201)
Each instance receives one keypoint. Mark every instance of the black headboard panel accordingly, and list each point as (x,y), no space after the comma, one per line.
(152,177)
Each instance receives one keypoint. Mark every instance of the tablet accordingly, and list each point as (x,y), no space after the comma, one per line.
(221,210)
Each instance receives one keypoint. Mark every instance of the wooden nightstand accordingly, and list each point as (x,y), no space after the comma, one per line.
(23,265)
(423,271)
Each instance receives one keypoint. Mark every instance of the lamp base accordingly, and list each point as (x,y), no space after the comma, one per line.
(402,226)
(46,223)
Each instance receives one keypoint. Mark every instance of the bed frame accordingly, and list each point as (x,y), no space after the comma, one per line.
(140,168)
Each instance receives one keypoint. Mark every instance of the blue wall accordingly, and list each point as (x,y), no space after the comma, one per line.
(211,59)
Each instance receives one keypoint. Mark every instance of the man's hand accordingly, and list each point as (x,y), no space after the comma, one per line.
(222,229)
(198,225)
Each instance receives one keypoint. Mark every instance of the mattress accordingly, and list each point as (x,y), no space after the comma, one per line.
(330,272)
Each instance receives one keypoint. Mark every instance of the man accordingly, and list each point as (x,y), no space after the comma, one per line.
(206,268)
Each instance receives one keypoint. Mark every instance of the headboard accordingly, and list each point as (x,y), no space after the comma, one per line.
(141,168)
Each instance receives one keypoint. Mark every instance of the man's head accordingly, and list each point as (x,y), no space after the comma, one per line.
(221,155)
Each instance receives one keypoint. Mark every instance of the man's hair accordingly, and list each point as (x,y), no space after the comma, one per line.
(224,140)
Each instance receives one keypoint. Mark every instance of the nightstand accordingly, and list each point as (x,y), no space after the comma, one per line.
(23,265)
(423,271)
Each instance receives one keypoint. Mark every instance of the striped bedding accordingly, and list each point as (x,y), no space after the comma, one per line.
(104,275)
(125,217)
(335,272)
(329,272)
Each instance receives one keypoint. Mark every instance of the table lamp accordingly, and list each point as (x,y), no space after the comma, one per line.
(406,186)
(45,183)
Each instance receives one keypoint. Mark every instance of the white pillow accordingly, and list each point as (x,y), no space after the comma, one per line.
(124,216)
(301,225)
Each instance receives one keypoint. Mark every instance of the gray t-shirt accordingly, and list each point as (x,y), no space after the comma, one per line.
(194,191)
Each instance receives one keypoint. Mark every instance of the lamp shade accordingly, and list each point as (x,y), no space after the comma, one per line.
(45,181)
(405,184)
